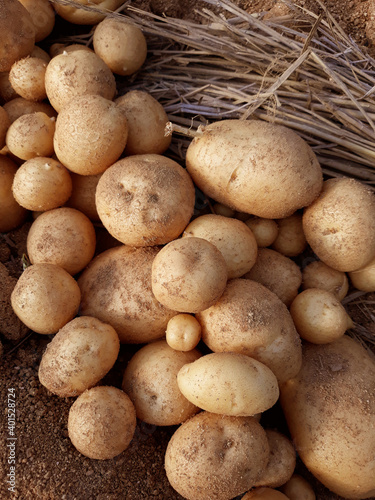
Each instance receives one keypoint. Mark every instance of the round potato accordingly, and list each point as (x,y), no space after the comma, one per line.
(183,332)
(145,200)
(11,213)
(255,167)
(27,78)
(265,494)
(40,54)
(42,16)
(78,357)
(290,240)
(319,275)
(75,15)
(216,456)
(364,278)
(58,48)
(20,106)
(264,230)
(102,422)
(83,194)
(45,298)
(220,209)
(298,488)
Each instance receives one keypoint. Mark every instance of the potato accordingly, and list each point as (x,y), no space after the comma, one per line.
(42,16)
(4,125)
(232,237)
(319,275)
(82,146)
(278,273)
(27,78)
(121,45)
(31,135)
(216,456)
(298,488)
(183,332)
(102,422)
(340,225)
(11,213)
(58,48)
(264,494)
(17,29)
(229,383)
(290,240)
(147,123)
(330,410)
(255,167)
(150,380)
(145,200)
(45,298)
(364,278)
(83,194)
(80,16)
(78,357)
(42,184)
(116,288)
(220,209)
(264,230)
(7,92)
(40,54)
(252,320)
(20,106)
(188,275)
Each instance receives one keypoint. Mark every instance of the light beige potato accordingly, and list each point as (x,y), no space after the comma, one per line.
(78,357)
(102,422)
(232,237)
(298,488)
(83,194)
(319,316)
(183,332)
(40,54)
(189,275)
(7,92)
(121,45)
(11,213)
(116,288)
(255,167)
(340,225)
(252,320)
(216,456)
(264,230)
(78,73)
(17,28)
(42,15)
(147,123)
(278,273)
(45,298)
(330,410)
(58,48)
(290,240)
(80,144)
(150,380)
(41,184)
(76,15)
(364,278)
(145,200)
(229,384)
(27,77)
(64,237)
(319,275)
(4,125)
(20,106)
(264,494)
(31,135)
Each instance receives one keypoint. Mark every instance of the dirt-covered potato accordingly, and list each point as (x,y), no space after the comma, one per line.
(229,383)
(216,456)
(27,78)
(45,298)
(319,275)
(83,194)
(116,288)
(145,200)
(298,488)
(80,144)
(364,278)
(265,494)
(290,240)
(121,45)
(330,410)
(63,236)
(77,73)
(79,356)
(255,167)
(4,125)
(42,184)
(189,275)
(278,273)
(183,332)
(147,123)
(20,106)
(75,15)
(102,422)
(252,320)
(11,213)
(42,15)
(264,230)
(340,225)
(150,380)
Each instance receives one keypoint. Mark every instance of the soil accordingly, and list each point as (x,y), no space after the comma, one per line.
(47,466)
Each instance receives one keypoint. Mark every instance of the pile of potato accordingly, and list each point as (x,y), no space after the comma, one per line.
(227,322)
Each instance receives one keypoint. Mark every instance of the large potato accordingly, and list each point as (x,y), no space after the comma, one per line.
(330,411)
(255,167)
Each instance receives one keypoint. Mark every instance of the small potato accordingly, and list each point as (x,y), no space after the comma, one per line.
(102,422)
(319,275)
(27,78)
(220,209)
(78,357)
(4,125)
(229,384)
(64,237)
(121,45)
(232,237)
(188,275)
(213,456)
(319,316)
(147,123)
(150,380)
(45,298)
(290,240)
(278,273)
(265,494)
(364,278)
(298,488)
(83,194)
(264,230)
(183,332)
(20,106)
(42,15)
(76,15)
(11,213)
(40,54)
(31,135)
(41,184)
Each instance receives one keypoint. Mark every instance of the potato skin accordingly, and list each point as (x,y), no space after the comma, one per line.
(330,410)
(255,167)
(11,213)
